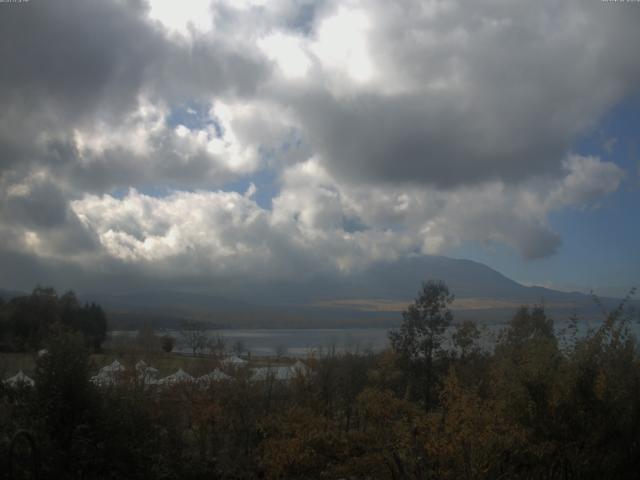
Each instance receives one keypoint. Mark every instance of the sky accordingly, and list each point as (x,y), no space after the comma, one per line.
(186,144)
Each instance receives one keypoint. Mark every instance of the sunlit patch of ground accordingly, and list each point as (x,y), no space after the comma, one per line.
(385,305)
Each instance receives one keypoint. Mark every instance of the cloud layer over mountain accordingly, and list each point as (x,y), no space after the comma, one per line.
(139,136)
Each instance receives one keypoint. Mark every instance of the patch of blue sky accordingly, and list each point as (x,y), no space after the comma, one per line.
(608,234)
(293,141)
(267,179)
(616,136)
(599,247)
(195,116)
(266,183)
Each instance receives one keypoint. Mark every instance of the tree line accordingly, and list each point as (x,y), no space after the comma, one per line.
(26,322)
(538,405)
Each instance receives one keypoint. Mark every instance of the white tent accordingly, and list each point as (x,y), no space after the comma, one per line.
(114,367)
(146,373)
(108,375)
(299,368)
(20,379)
(178,377)
(214,376)
(234,360)
(141,365)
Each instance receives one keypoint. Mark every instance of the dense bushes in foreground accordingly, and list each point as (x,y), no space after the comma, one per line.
(538,406)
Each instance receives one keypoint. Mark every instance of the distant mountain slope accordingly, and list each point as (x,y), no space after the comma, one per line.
(372,297)
(400,280)
(465,278)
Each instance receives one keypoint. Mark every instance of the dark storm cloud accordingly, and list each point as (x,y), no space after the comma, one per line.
(405,139)
(42,206)
(62,61)
(207,67)
(36,211)
(538,243)
(74,56)
(480,91)
(67,57)
(68,63)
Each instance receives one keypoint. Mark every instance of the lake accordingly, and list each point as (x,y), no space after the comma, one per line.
(299,342)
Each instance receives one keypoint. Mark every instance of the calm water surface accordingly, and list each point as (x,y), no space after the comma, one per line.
(302,342)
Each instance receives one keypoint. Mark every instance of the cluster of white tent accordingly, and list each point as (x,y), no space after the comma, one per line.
(115,372)
(109,374)
(147,375)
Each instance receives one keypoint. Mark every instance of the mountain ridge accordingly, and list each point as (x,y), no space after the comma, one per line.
(373,295)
